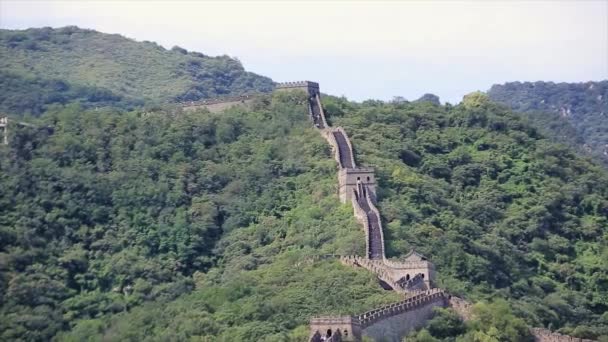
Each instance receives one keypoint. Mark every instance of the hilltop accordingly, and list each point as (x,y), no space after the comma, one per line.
(42,66)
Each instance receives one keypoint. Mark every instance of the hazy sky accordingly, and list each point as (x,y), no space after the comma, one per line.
(362,49)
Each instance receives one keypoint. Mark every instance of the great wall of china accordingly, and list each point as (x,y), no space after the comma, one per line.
(412,276)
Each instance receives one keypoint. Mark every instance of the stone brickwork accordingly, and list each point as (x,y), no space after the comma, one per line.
(393,322)
(348,180)
(312,88)
(390,322)
(347,327)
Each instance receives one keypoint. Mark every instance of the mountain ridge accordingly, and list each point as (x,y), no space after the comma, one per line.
(573,113)
(122,67)
(125,224)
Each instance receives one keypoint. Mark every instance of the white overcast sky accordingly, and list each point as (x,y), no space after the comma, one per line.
(362,49)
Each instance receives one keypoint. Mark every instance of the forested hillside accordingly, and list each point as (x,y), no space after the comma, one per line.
(127,226)
(44,66)
(572,113)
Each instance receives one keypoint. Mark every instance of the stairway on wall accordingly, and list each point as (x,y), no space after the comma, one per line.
(375,239)
(344,152)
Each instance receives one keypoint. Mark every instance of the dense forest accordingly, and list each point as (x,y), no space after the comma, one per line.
(571,113)
(123,218)
(133,225)
(43,66)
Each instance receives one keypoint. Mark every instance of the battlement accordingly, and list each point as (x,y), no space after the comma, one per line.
(370,317)
(312,88)
(392,320)
(402,277)
(406,265)
(322,328)
(297,84)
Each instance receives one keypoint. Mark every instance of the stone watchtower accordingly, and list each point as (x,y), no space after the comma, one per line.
(350,178)
(348,328)
(413,269)
(311,88)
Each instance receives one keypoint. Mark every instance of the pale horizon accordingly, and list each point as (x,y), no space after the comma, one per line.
(362,50)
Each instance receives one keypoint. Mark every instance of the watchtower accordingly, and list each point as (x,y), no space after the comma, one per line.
(349,178)
(311,88)
(347,327)
(413,266)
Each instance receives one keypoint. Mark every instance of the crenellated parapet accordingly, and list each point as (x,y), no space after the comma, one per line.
(374,266)
(403,277)
(390,322)
(312,88)
(411,303)
(335,328)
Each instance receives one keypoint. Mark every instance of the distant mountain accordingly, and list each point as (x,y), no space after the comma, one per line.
(45,66)
(573,113)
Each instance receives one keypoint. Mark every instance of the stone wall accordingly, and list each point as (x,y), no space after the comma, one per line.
(349,328)
(399,269)
(349,178)
(312,88)
(219,105)
(331,140)
(393,322)
(388,323)
(374,266)
(361,217)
